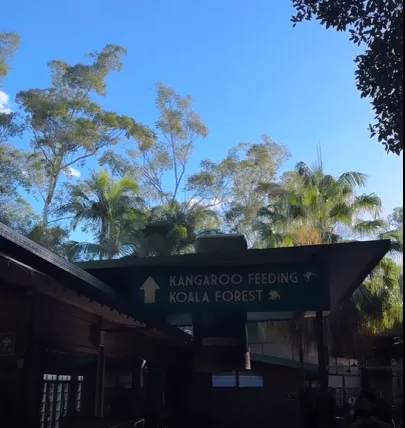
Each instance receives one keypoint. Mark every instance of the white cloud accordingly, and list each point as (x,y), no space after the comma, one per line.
(217,204)
(4,100)
(192,202)
(214,204)
(72,172)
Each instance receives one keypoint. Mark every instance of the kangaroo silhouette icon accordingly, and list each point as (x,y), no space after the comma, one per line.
(309,275)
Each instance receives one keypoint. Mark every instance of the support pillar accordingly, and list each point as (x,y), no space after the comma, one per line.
(302,395)
(100,378)
(137,388)
(323,375)
(220,339)
(221,343)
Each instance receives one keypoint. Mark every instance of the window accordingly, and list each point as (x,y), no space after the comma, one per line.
(55,398)
(237,380)
(79,393)
(343,394)
(224,380)
(250,380)
(47,405)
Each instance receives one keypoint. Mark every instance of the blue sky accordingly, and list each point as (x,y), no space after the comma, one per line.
(249,70)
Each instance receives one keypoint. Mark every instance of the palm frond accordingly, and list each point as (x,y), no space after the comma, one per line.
(305,172)
(397,235)
(370,203)
(397,242)
(85,250)
(341,212)
(330,238)
(361,296)
(271,216)
(353,179)
(368,227)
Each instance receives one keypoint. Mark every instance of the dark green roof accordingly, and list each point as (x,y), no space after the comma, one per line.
(348,264)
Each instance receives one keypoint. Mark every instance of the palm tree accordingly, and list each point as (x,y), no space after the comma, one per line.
(111,211)
(172,228)
(318,208)
(375,307)
(322,209)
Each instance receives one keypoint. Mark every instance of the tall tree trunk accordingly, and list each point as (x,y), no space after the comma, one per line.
(49,198)
(45,215)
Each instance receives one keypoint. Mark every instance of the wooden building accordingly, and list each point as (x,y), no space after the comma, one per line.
(75,353)
(71,352)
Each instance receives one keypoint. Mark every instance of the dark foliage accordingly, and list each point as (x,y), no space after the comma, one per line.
(378,26)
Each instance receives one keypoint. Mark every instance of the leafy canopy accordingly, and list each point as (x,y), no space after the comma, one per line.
(172,228)
(68,127)
(160,164)
(396,219)
(316,207)
(241,183)
(9,44)
(15,211)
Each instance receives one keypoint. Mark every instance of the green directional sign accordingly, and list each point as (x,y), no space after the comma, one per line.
(253,288)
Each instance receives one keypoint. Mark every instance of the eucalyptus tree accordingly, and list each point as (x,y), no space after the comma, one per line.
(161,165)
(68,126)
(241,183)
(9,44)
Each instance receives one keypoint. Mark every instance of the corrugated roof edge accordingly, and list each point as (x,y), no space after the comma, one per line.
(42,253)
(11,240)
(254,256)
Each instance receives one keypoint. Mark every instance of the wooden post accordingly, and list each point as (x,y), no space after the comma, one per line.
(302,365)
(221,342)
(100,378)
(323,377)
(302,383)
(136,386)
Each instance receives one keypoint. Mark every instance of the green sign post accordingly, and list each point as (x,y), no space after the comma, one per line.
(252,288)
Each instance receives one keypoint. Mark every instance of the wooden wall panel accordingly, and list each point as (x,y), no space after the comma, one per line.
(68,328)
(64,325)
(15,310)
